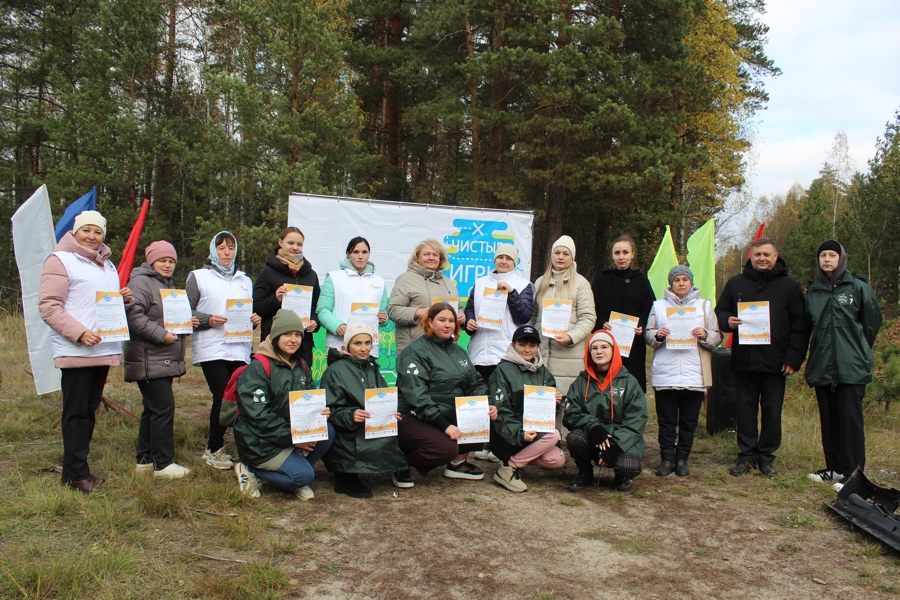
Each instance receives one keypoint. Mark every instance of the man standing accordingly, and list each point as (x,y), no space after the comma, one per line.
(764,355)
(845,319)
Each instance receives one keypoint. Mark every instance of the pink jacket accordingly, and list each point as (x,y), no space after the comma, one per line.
(52,298)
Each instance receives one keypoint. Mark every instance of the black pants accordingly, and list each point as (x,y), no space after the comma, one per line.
(486,371)
(843,431)
(584,453)
(681,409)
(217,374)
(82,389)
(426,446)
(758,395)
(156,434)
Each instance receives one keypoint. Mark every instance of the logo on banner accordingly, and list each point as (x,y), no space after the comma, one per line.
(471,250)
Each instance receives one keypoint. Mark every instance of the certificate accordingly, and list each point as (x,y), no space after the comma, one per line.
(381,403)
(112,324)
(623,327)
(308,424)
(238,327)
(451,300)
(367,313)
(755,328)
(298,298)
(472,419)
(493,307)
(680,321)
(555,317)
(176,311)
(539,412)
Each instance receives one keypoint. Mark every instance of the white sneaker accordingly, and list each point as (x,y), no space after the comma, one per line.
(218,459)
(824,476)
(143,468)
(248,482)
(305,494)
(839,484)
(173,471)
(509,478)
(485,455)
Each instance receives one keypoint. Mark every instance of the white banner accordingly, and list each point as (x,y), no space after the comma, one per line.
(34,241)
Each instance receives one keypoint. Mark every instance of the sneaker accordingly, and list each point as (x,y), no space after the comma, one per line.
(509,478)
(402,479)
(485,455)
(824,476)
(218,459)
(173,471)
(464,470)
(351,485)
(304,494)
(839,484)
(143,468)
(248,482)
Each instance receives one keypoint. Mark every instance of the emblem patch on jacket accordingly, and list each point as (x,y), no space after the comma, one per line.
(412,369)
(259,396)
(845,299)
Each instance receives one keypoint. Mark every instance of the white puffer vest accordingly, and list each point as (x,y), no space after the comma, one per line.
(349,287)
(488,346)
(209,344)
(677,369)
(86,278)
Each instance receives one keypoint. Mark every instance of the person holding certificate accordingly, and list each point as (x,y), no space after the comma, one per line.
(209,290)
(682,330)
(286,266)
(625,290)
(153,357)
(763,359)
(262,429)
(563,352)
(72,276)
(519,375)
(354,286)
(606,412)
(351,371)
(418,289)
(432,372)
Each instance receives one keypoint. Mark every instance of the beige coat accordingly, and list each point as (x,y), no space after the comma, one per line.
(416,289)
(567,362)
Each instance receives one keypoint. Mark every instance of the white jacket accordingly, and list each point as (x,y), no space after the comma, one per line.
(350,286)
(489,346)
(209,344)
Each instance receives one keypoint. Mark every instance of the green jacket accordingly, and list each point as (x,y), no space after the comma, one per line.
(845,322)
(345,381)
(431,374)
(262,430)
(627,428)
(507,393)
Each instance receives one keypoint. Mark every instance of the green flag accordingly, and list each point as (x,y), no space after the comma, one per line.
(701,256)
(662,264)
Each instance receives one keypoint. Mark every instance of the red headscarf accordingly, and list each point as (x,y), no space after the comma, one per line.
(614,366)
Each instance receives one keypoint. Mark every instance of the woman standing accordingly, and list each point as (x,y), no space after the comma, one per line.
(563,354)
(72,275)
(153,357)
(680,376)
(627,291)
(286,265)
(355,281)
(208,289)
(415,291)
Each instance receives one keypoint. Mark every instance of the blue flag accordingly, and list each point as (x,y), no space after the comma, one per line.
(86,202)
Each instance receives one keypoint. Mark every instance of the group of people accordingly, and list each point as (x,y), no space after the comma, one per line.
(600,395)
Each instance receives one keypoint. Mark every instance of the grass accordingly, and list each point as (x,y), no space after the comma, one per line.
(788,549)
(571,502)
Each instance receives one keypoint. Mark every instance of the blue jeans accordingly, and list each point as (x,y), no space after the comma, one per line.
(297,471)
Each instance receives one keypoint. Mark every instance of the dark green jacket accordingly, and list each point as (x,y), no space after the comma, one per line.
(263,428)
(507,393)
(431,374)
(627,428)
(345,381)
(845,322)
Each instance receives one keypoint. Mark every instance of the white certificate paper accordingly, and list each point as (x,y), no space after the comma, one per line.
(681,321)
(381,403)
(238,328)
(555,317)
(112,324)
(493,307)
(623,327)
(176,311)
(472,419)
(755,328)
(451,300)
(298,298)
(366,312)
(539,411)
(308,424)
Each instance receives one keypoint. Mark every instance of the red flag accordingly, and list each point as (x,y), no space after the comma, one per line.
(134,238)
(759,234)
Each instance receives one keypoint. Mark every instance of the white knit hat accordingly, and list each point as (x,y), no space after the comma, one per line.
(566,242)
(507,250)
(89,217)
(357,328)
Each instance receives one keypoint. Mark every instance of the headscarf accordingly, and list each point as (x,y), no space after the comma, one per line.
(614,366)
(214,256)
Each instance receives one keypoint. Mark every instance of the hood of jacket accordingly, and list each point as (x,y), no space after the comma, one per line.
(268,349)
(515,358)
(335,355)
(68,243)
(426,273)
(145,270)
(272,261)
(346,264)
(839,272)
(692,295)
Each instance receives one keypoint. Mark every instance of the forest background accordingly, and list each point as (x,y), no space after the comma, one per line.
(604,118)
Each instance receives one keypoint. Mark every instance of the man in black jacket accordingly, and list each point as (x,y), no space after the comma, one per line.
(762,366)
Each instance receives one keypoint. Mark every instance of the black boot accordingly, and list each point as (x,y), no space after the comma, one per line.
(350,484)
(681,466)
(666,465)
(582,480)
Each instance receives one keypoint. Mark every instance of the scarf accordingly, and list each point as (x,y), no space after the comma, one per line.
(291,261)
(515,358)
(227,272)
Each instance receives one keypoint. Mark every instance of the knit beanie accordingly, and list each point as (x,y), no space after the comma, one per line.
(507,250)
(829,245)
(354,329)
(680,270)
(89,217)
(160,249)
(566,242)
(286,321)
(602,335)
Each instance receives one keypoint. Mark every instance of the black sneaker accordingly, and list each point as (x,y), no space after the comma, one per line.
(402,479)
(581,481)
(464,470)
(351,485)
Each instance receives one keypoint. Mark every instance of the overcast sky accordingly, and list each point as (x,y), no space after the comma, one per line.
(840,63)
